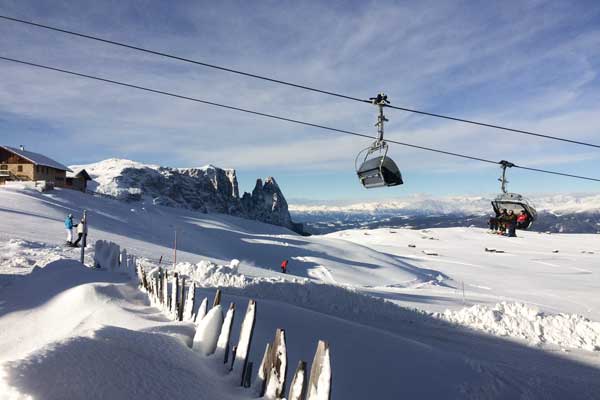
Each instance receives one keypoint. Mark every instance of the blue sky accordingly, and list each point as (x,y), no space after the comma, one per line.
(528,65)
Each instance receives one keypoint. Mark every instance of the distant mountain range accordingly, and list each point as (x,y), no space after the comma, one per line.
(566,213)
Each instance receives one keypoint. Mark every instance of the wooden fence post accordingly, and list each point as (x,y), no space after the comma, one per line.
(165,292)
(319,384)
(224,337)
(243,347)
(188,310)
(298,385)
(248,375)
(181,300)
(217,299)
(174,294)
(201,310)
(277,364)
(263,372)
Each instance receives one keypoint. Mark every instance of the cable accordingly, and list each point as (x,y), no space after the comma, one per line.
(234,71)
(295,121)
(295,85)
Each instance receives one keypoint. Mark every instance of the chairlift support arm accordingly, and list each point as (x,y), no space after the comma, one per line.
(380,101)
(504,164)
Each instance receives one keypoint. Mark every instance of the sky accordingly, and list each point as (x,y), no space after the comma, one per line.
(530,65)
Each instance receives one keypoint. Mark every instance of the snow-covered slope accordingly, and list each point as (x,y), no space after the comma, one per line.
(340,287)
(205,189)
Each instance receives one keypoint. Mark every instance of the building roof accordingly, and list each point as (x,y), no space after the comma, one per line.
(79,173)
(37,159)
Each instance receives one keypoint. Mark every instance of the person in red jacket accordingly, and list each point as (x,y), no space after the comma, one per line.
(522,220)
(284,266)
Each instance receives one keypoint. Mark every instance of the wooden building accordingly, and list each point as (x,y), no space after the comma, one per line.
(22,165)
(77,180)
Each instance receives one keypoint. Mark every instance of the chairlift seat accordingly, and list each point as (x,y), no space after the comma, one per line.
(517,203)
(378,172)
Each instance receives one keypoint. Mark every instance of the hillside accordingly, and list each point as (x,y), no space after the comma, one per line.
(377,301)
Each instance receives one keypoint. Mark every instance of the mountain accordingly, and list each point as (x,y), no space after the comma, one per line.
(208,189)
(566,213)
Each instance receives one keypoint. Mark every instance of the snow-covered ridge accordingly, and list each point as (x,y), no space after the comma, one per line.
(205,189)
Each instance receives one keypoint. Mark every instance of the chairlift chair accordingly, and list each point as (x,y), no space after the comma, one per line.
(376,168)
(513,201)
(377,171)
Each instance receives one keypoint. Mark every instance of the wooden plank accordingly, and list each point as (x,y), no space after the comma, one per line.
(298,385)
(222,351)
(275,384)
(243,347)
(188,311)
(319,384)
(263,372)
(181,300)
(201,311)
(174,293)
(165,291)
(217,300)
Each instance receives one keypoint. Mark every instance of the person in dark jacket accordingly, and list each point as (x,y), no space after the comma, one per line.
(511,223)
(502,221)
(493,222)
(284,265)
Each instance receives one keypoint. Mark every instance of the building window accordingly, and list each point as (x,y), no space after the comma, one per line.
(3,167)
(19,168)
(37,169)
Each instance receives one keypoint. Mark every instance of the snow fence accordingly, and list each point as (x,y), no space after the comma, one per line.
(168,291)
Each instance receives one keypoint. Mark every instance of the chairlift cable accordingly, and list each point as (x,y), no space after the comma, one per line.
(295,121)
(299,86)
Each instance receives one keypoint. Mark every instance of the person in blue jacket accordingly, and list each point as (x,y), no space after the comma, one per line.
(69,228)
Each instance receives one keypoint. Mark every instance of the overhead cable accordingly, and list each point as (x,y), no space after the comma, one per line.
(277,117)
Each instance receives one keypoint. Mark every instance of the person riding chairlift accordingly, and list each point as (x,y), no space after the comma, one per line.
(502,221)
(522,220)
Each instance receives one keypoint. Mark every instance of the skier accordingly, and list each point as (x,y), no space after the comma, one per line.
(81,233)
(284,265)
(69,228)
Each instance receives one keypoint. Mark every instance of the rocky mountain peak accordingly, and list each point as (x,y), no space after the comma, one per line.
(206,189)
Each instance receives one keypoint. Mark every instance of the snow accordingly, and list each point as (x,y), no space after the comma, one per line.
(208,330)
(528,323)
(90,334)
(525,327)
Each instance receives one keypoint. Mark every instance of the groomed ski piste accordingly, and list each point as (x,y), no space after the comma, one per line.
(423,314)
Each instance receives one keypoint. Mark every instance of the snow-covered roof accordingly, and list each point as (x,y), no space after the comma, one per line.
(36,158)
(77,173)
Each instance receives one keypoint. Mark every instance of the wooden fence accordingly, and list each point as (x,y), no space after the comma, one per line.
(170,292)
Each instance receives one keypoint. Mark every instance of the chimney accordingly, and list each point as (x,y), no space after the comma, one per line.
(22,147)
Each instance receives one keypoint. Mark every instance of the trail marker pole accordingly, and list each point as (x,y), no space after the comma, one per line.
(175,250)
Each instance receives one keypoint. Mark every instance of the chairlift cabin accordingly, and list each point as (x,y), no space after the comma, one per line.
(379,170)
(376,169)
(513,201)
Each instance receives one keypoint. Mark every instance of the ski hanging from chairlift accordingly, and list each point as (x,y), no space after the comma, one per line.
(513,201)
(376,168)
